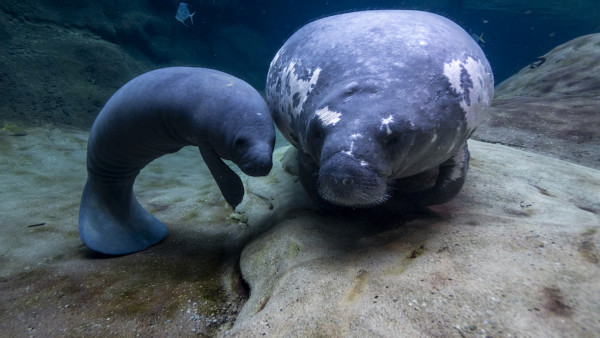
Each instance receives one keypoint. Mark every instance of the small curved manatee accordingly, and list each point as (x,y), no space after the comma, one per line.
(372,99)
(158,113)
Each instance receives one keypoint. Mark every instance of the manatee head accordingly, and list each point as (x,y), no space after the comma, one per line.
(247,136)
(366,132)
(252,151)
(360,142)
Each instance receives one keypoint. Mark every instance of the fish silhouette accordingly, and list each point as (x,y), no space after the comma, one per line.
(478,39)
(183,13)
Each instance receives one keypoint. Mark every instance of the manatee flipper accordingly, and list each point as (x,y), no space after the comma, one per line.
(111,220)
(308,173)
(229,182)
(451,178)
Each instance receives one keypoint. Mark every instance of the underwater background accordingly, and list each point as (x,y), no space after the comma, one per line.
(516,253)
(61,60)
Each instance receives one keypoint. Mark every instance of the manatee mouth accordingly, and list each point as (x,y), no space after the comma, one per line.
(257,161)
(344,181)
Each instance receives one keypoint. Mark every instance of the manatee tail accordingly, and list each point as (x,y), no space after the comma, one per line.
(111,220)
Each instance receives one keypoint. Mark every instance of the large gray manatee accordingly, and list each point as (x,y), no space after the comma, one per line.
(373,98)
(157,113)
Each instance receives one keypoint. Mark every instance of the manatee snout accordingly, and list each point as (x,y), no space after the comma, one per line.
(257,161)
(344,180)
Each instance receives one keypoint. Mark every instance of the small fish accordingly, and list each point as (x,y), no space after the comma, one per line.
(478,38)
(183,13)
(540,60)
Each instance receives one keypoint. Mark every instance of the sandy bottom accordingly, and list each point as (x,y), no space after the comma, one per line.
(516,252)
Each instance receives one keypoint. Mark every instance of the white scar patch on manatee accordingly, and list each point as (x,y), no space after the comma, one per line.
(275,58)
(479,96)
(385,123)
(328,117)
(299,87)
(352,138)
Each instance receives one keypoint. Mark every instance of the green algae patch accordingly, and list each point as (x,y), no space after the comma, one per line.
(191,215)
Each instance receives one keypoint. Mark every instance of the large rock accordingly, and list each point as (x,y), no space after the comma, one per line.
(551,106)
(63,79)
(55,66)
(516,253)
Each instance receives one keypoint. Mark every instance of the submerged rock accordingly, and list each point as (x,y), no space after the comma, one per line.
(551,106)
(515,253)
(60,75)
(61,60)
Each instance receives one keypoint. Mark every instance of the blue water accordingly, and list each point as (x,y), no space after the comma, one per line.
(514,35)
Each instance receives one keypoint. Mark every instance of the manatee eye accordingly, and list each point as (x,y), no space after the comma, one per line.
(240,143)
(349,91)
(351,88)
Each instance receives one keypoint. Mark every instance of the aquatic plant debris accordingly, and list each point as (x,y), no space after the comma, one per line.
(13,129)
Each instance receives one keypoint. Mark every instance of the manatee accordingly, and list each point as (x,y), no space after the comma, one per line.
(376,99)
(158,113)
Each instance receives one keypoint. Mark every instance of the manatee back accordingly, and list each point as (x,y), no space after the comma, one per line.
(424,59)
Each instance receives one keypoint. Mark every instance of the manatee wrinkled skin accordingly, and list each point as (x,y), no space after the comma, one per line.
(158,113)
(372,99)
